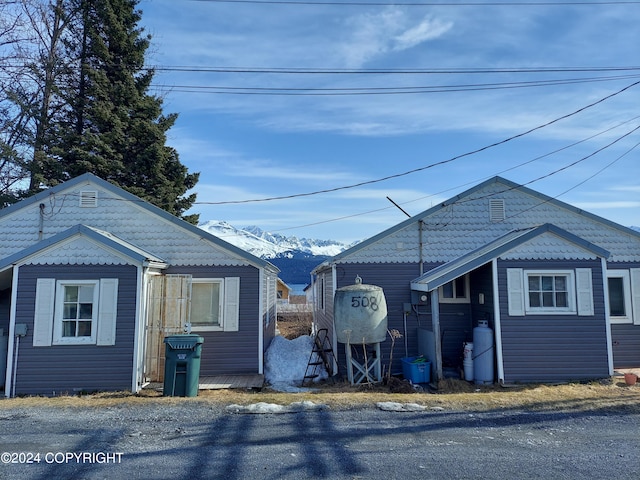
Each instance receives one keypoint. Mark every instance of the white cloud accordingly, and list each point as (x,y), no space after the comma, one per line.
(619,204)
(374,35)
(274,170)
(428,29)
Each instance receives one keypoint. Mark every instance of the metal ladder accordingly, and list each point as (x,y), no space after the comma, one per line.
(321,355)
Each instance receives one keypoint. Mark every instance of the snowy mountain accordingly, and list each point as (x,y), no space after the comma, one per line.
(271,245)
(295,257)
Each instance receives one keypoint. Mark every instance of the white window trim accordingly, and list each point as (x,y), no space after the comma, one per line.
(229,313)
(465,299)
(626,286)
(58,339)
(571,309)
(212,328)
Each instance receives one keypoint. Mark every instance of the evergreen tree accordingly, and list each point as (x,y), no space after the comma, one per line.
(112,126)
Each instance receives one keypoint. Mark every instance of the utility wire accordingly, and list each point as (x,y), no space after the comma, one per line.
(474,182)
(337,91)
(426,4)
(386,71)
(442,162)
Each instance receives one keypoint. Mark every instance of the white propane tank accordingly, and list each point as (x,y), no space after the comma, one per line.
(483,353)
(467,360)
(360,314)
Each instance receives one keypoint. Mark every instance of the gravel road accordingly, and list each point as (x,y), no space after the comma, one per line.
(194,440)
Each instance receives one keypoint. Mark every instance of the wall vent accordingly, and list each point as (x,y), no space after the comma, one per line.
(88,198)
(496,210)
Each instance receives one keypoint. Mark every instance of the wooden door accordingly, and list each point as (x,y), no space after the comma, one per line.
(168,306)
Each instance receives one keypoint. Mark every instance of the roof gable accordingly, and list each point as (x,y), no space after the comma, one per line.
(464,223)
(123,214)
(82,245)
(504,247)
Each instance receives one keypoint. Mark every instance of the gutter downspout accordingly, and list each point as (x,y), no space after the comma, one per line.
(264,313)
(607,317)
(140,331)
(9,374)
(420,242)
(334,340)
(496,322)
(435,321)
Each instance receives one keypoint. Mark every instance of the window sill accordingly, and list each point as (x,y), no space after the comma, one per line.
(206,329)
(550,312)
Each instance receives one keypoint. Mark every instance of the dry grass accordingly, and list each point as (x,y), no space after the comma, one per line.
(294,324)
(452,395)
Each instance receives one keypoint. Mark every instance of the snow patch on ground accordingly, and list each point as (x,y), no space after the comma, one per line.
(262,407)
(286,363)
(400,407)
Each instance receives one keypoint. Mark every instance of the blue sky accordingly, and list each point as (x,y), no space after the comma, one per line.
(244,125)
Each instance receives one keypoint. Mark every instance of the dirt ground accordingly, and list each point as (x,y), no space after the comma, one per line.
(293,325)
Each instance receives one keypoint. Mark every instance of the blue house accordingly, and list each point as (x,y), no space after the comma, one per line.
(92,278)
(558,286)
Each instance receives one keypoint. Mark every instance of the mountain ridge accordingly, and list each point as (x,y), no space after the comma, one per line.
(295,257)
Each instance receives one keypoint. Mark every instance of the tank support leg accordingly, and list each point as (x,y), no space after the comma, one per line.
(369,370)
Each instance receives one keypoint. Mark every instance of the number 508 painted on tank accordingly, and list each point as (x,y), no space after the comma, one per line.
(365,302)
(360,313)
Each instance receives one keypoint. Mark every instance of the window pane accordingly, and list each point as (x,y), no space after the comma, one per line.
(561,299)
(447,290)
(547,284)
(70,311)
(84,329)
(68,329)
(547,299)
(534,300)
(85,294)
(205,303)
(561,284)
(70,294)
(616,297)
(460,287)
(86,310)
(534,283)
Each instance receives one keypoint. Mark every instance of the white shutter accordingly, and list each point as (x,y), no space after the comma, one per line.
(107,312)
(584,290)
(231,304)
(43,317)
(635,295)
(515,292)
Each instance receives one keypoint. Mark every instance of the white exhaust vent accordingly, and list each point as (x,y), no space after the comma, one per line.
(496,210)
(88,199)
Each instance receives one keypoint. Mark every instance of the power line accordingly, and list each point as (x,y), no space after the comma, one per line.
(442,162)
(473,182)
(385,71)
(407,90)
(426,4)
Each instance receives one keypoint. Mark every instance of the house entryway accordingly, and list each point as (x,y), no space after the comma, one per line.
(168,303)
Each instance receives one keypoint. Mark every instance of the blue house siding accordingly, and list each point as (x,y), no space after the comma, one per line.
(60,369)
(5,309)
(270,314)
(554,347)
(625,337)
(231,353)
(323,310)
(394,279)
(626,345)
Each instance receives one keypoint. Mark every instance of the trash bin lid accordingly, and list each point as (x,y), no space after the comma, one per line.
(183,342)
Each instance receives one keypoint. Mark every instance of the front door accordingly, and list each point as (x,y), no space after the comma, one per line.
(169,300)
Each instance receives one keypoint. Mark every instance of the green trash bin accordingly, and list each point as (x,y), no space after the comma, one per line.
(182,365)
